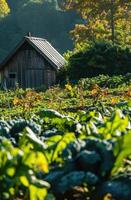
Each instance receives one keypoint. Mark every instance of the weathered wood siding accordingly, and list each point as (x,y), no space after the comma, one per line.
(30,69)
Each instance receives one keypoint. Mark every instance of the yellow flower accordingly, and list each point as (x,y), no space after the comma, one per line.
(68,87)
(114,100)
(16,101)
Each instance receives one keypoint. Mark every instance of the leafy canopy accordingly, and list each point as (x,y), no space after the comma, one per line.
(100,58)
(4,8)
(106,19)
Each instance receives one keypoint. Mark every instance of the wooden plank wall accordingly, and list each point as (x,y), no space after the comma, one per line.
(31,69)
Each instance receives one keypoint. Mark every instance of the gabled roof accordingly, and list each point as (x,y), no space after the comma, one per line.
(43,47)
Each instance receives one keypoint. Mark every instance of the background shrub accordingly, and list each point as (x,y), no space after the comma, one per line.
(99,58)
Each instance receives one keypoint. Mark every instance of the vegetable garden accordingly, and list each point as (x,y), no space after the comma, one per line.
(80,151)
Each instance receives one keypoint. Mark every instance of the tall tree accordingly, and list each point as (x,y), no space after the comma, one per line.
(4,8)
(105,19)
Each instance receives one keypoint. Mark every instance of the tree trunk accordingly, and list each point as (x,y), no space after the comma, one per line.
(112,22)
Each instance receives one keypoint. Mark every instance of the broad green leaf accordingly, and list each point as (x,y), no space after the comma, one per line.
(37,193)
(24,181)
(124,152)
(62,144)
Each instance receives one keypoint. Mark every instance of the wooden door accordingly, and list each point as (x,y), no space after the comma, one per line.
(34,78)
(49,77)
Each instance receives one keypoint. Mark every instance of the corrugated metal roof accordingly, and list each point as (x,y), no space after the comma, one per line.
(44,48)
(47,50)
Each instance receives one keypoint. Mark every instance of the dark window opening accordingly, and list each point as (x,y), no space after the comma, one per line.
(12,75)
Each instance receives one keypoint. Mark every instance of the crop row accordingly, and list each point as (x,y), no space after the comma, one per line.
(86,155)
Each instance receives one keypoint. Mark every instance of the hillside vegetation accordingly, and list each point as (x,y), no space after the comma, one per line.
(42,18)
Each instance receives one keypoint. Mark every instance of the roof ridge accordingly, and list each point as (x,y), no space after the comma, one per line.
(35,38)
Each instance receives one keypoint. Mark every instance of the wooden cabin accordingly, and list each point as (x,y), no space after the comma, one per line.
(32,64)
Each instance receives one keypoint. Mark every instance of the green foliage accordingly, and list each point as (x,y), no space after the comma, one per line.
(19,167)
(85,95)
(87,150)
(106,81)
(52,154)
(118,188)
(100,58)
(4,8)
(107,20)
